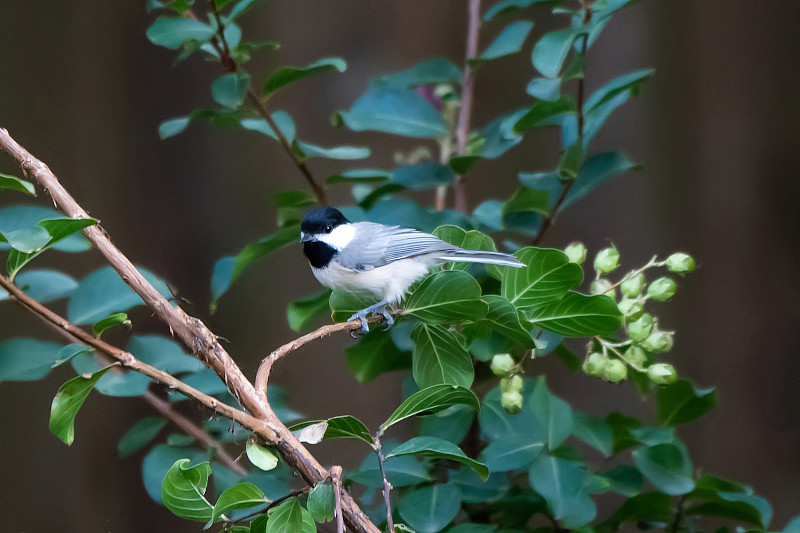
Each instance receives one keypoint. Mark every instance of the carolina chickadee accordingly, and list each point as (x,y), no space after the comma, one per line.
(378,260)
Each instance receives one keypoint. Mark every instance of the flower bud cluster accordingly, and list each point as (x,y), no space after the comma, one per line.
(505,366)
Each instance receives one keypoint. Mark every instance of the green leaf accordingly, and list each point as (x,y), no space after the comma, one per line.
(430,509)
(599,115)
(240,496)
(229,90)
(285,75)
(172,127)
(653,507)
(432,400)
(163,353)
(451,424)
(282,120)
(504,318)
(629,81)
(428,72)
(157,463)
(13,183)
(375,354)
(344,304)
(241,7)
(504,7)
(183,490)
(496,138)
(502,455)
(542,110)
(260,457)
(338,152)
(103,292)
(171,32)
(579,315)
(67,403)
(290,517)
(594,432)
(340,427)
(497,424)
(545,89)
(438,449)
(625,480)
(321,503)
(44,286)
(361,175)
(58,229)
(523,206)
(509,41)
(26,359)
(400,471)
(140,435)
(793,526)
(439,356)
(551,51)
(300,313)
(713,496)
(397,111)
(571,161)
(667,466)
(563,485)
(682,402)
(423,176)
(553,413)
(548,277)
(19,224)
(596,170)
(114,319)
(447,297)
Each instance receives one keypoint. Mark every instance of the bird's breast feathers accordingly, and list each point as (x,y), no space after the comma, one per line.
(388,282)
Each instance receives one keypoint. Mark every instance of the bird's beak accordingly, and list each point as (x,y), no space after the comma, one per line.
(305,237)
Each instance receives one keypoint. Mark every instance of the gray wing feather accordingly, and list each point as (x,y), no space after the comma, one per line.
(378,245)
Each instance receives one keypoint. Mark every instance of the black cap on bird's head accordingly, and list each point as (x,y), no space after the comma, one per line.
(320,220)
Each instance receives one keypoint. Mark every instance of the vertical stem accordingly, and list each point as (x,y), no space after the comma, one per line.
(387,487)
(336,479)
(467,89)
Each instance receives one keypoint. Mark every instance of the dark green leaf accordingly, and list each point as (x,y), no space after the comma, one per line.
(230,90)
(183,490)
(548,277)
(286,75)
(651,507)
(621,427)
(340,427)
(503,455)
(497,424)
(26,359)
(490,214)
(543,110)
(423,176)
(117,383)
(321,503)
(652,436)
(103,292)
(431,400)
(387,190)
(171,32)
(13,183)
(140,435)
(571,161)
(241,7)
(240,496)
(504,7)
(301,313)
(497,137)
(629,81)
(548,182)
(599,115)
(44,286)
(430,509)
(545,89)
(344,304)
(57,228)
(375,354)
(553,413)
(398,111)
(551,51)
(594,432)
(438,449)
(400,471)
(625,480)
(338,152)
(451,424)
(563,485)
(504,318)
(362,175)
(523,205)
(114,319)
(439,356)
(157,463)
(578,315)
(667,466)
(259,456)
(509,41)
(682,402)
(19,224)
(163,354)
(447,297)
(596,170)
(67,403)
(428,72)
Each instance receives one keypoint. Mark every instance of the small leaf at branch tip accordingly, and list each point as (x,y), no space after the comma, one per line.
(312,434)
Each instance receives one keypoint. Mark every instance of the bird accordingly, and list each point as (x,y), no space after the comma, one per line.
(371,259)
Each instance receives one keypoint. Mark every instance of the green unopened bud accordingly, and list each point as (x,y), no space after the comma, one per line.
(511,402)
(641,328)
(631,309)
(662,374)
(594,364)
(576,252)
(615,371)
(680,263)
(658,341)
(636,356)
(632,284)
(606,260)
(511,384)
(603,286)
(661,289)
(502,364)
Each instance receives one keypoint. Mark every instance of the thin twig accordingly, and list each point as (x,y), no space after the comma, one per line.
(676,523)
(387,487)
(548,221)
(467,89)
(336,479)
(194,333)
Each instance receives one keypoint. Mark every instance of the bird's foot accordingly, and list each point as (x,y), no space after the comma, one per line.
(380,309)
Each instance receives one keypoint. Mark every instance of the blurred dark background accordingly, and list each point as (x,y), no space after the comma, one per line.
(716,131)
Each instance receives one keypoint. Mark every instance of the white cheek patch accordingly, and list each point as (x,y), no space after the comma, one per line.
(340,237)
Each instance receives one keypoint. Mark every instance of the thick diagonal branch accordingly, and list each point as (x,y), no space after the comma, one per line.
(195,335)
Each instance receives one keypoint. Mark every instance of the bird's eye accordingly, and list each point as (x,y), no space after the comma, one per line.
(328,228)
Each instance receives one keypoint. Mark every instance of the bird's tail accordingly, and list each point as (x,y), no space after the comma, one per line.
(487,258)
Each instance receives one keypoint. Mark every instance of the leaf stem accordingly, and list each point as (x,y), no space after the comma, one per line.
(612,347)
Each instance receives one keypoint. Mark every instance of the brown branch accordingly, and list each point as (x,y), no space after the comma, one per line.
(220,44)
(467,89)
(194,333)
(387,487)
(336,479)
(548,222)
